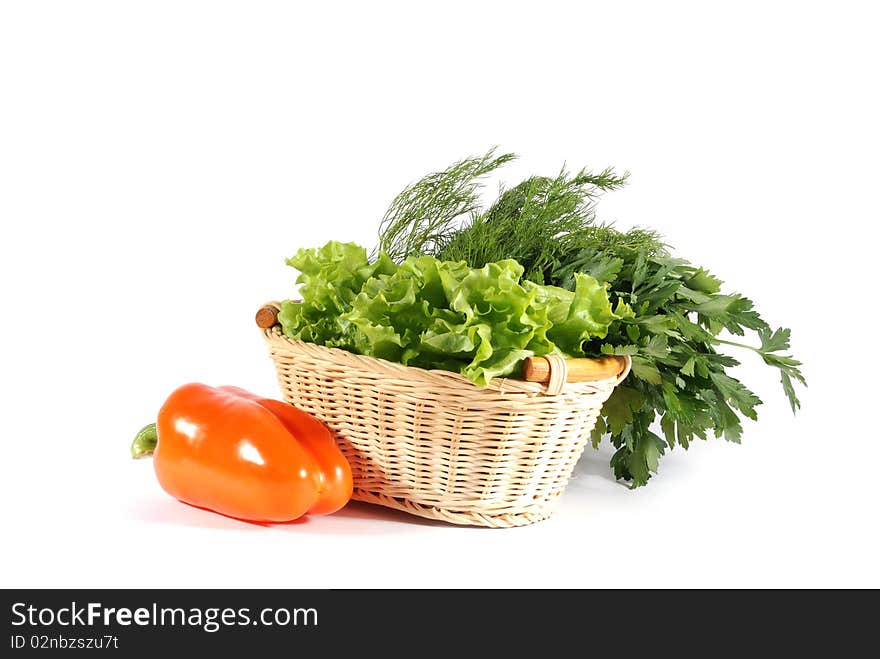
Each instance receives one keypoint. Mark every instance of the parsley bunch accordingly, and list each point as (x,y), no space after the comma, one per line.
(672,314)
(676,313)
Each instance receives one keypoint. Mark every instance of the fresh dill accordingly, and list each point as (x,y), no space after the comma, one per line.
(424,213)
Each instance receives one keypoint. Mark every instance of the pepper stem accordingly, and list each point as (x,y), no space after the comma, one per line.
(144,442)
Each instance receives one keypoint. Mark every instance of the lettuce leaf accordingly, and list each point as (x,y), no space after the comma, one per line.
(481,322)
(330,278)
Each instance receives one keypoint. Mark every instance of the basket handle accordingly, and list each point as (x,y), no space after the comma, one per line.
(267,315)
(579,369)
(552,370)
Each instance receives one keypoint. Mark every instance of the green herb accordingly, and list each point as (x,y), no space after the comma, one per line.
(669,314)
(481,322)
(539,221)
(426,211)
(676,312)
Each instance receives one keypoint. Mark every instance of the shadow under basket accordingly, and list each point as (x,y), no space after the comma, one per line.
(431,443)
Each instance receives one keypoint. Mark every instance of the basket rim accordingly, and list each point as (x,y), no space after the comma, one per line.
(435,375)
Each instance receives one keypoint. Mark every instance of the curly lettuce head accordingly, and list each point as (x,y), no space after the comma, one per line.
(481,322)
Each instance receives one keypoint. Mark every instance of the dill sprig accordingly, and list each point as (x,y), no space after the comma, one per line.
(425,213)
(538,220)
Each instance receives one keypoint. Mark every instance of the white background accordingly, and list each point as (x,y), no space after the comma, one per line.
(159,160)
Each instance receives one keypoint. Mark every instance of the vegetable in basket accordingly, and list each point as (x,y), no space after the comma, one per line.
(669,314)
(482,322)
(241,455)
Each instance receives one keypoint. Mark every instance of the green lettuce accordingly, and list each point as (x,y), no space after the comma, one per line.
(330,278)
(481,322)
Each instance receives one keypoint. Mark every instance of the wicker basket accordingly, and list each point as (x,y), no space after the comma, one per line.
(433,444)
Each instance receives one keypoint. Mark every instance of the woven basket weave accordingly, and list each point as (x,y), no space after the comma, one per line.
(433,444)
